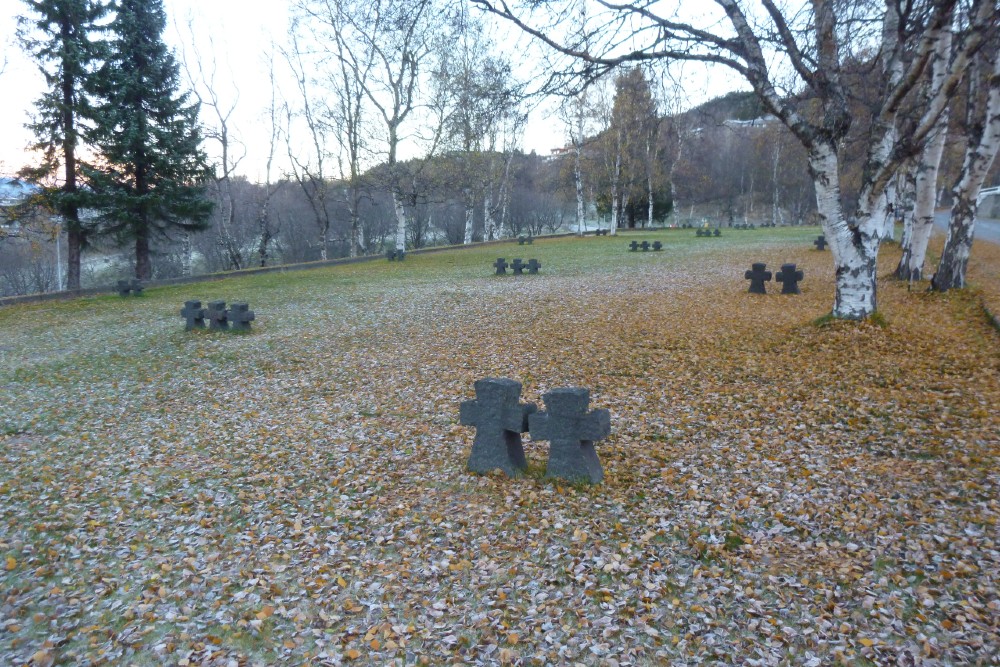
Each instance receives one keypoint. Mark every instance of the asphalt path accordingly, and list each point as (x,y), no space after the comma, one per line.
(987,229)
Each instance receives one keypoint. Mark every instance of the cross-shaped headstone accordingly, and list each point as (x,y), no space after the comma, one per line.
(657,245)
(820,242)
(217,316)
(789,279)
(194,315)
(700,232)
(533,266)
(517,266)
(757,277)
(718,232)
(645,246)
(522,240)
(240,316)
(500,419)
(571,432)
(633,246)
(501,266)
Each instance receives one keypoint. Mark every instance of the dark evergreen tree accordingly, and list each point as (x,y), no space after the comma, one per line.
(61,37)
(152,170)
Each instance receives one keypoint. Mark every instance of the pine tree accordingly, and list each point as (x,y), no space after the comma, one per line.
(60,36)
(153,171)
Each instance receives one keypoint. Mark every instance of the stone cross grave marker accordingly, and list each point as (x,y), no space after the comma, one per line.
(240,316)
(133,285)
(789,279)
(194,315)
(633,246)
(501,266)
(533,266)
(757,277)
(571,432)
(217,316)
(517,266)
(601,232)
(522,240)
(645,246)
(657,245)
(718,232)
(500,419)
(820,242)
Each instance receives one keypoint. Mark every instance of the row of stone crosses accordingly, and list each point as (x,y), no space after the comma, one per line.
(517,267)
(500,418)
(236,318)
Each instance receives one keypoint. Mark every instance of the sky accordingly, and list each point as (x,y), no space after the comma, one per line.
(234,34)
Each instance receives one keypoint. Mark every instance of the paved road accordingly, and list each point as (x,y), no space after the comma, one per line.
(987,229)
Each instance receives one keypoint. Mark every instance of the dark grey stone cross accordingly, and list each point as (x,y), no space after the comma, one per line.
(217,316)
(240,316)
(517,266)
(789,279)
(820,242)
(500,419)
(133,285)
(533,266)
(501,266)
(571,432)
(644,246)
(633,246)
(757,277)
(657,245)
(194,315)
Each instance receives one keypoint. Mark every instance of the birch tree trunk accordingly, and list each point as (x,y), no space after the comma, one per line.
(578,181)
(983,141)
(469,217)
(615,192)
(397,204)
(915,250)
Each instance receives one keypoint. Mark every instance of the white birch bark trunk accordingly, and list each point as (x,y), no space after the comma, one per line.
(397,204)
(615,198)
(911,264)
(469,218)
(578,180)
(854,252)
(489,222)
(185,253)
(978,159)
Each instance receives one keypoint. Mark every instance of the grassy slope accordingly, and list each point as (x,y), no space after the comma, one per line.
(772,488)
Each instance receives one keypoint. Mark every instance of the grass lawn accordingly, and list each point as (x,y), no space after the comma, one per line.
(777,490)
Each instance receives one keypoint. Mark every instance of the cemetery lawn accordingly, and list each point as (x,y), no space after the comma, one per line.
(779,489)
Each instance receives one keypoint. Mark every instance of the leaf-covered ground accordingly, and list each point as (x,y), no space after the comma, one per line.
(776,492)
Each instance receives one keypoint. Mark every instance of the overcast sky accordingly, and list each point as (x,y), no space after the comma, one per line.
(240,31)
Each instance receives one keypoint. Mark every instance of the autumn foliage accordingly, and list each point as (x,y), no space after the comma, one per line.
(777,487)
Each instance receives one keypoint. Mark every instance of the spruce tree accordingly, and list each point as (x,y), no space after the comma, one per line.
(152,170)
(61,37)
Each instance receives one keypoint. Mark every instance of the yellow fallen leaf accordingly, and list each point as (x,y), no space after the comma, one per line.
(11,563)
(867,642)
(288,643)
(513,638)
(265,612)
(375,645)
(353,654)
(341,582)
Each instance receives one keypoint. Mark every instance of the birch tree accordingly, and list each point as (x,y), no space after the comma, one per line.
(925,170)
(982,131)
(794,59)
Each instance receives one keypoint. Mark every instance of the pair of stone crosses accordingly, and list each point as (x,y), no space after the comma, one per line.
(601,232)
(522,240)
(392,255)
(133,285)
(219,317)
(644,246)
(517,266)
(500,419)
(789,278)
(708,232)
